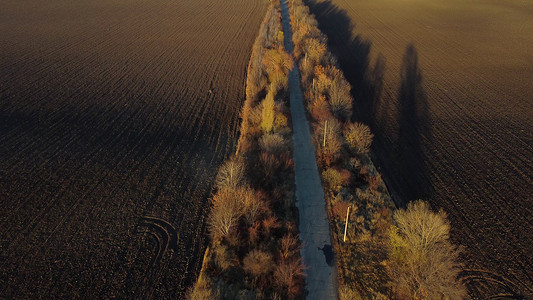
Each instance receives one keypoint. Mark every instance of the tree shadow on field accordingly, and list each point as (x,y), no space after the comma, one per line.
(399,125)
(353,55)
(414,130)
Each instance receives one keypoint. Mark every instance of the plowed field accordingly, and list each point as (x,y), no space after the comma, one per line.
(114,116)
(447,86)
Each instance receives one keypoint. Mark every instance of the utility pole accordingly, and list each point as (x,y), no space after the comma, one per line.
(346,224)
(325,133)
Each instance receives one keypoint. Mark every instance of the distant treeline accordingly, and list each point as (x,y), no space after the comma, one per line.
(387,253)
(255,250)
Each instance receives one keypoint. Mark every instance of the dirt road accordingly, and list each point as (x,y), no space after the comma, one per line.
(316,252)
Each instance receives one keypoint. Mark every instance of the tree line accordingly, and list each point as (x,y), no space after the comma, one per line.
(382,252)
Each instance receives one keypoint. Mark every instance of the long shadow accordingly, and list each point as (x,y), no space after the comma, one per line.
(414,130)
(353,54)
(399,125)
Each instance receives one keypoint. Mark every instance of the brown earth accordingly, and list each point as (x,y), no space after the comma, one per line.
(114,117)
(447,86)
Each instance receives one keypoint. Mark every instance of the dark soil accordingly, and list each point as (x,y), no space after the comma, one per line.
(114,117)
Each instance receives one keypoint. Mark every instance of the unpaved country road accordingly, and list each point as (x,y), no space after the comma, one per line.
(316,252)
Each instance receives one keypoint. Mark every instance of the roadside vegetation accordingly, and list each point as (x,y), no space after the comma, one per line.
(386,253)
(254,249)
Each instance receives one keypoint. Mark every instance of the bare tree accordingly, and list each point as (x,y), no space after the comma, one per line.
(231,174)
(424,263)
(288,276)
(227,209)
(252,206)
(289,246)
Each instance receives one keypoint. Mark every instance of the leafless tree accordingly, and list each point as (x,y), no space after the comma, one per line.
(231,174)
(424,263)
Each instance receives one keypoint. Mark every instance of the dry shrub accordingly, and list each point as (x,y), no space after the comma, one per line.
(329,149)
(314,50)
(286,160)
(267,112)
(320,109)
(306,72)
(322,82)
(340,98)
(270,224)
(245,115)
(304,27)
(289,247)
(374,182)
(364,170)
(345,175)
(254,233)
(252,207)
(273,143)
(255,79)
(231,174)
(288,276)
(255,115)
(268,32)
(332,180)
(319,71)
(384,218)
(281,120)
(299,14)
(258,263)
(298,36)
(340,208)
(245,144)
(278,63)
(202,290)
(270,164)
(354,164)
(347,293)
(423,260)
(273,26)
(358,137)
(224,257)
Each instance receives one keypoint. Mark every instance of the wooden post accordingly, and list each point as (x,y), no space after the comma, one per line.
(325,133)
(346,225)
